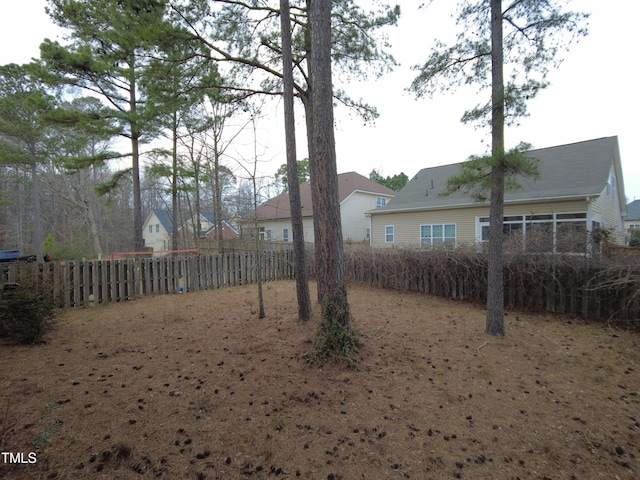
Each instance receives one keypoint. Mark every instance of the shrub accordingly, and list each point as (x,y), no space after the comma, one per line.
(25,312)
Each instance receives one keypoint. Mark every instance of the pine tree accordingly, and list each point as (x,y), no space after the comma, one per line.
(111,42)
(526,37)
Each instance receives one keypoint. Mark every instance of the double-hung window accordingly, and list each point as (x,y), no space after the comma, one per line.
(389,234)
(438,234)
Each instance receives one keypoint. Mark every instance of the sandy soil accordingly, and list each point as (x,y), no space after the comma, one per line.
(194,386)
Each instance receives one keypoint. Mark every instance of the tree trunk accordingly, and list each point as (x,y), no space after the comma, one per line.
(196,223)
(335,333)
(138,242)
(495,281)
(302,282)
(37,222)
(218,194)
(318,231)
(174,184)
(258,250)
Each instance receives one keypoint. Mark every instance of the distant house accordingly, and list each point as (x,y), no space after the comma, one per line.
(632,221)
(580,187)
(209,228)
(357,195)
(157,230)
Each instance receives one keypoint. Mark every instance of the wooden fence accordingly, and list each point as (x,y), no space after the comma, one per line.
(86,282)
(591,288)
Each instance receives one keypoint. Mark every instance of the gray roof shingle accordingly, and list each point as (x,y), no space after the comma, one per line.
(572,170)
(633,209)
(165,219)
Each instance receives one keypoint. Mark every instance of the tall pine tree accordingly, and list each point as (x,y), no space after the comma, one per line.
(525,38)
(110,45)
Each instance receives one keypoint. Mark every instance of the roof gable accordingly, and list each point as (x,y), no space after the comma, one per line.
(573,170)
(633,210)
(279,207)
(163,217)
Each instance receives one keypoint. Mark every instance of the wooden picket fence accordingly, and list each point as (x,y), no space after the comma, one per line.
(90,282)
(593,288)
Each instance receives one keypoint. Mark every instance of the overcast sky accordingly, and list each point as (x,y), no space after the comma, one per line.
(593,94)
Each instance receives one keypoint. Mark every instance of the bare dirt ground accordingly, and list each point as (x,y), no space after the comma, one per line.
(194,386)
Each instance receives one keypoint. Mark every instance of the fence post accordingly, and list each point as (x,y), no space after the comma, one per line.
(77,283)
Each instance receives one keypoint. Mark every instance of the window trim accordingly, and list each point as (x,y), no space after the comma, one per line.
(443,238)
(386,234)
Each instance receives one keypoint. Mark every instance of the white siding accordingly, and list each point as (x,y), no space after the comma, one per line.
(277,226)
(606,210)
(354,221)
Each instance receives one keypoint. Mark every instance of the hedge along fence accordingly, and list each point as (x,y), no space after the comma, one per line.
(90,282)
(588,287)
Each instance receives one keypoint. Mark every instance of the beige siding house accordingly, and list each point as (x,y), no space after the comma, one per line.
(357,193)
(156,230)
(580,187)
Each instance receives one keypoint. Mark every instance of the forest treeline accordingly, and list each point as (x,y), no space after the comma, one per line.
(148,104)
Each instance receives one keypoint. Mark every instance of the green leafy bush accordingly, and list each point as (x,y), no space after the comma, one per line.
(79,247)
(25,313)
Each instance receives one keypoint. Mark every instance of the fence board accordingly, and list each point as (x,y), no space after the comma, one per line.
(79,283)
(572,286)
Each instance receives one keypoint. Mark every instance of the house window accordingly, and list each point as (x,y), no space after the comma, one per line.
(439,234)
(157,228)
(285,234)
(267,235)
(389,234)
(381,202)
(564,232)
(368,234)
(150,228)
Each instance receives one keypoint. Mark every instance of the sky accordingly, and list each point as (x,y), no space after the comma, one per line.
(593,94)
